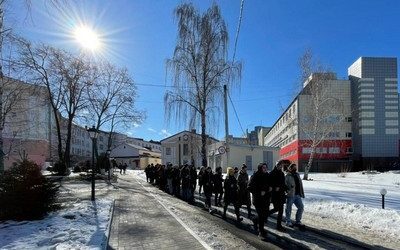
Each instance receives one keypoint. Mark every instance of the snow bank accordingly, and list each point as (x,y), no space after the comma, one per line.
(355,201)
(82,225)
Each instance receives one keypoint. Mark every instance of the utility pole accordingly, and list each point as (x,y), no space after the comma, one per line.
(226,124)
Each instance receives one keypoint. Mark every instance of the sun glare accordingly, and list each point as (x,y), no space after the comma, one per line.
(87,37)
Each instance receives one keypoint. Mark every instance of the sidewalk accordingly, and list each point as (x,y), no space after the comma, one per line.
(141,222)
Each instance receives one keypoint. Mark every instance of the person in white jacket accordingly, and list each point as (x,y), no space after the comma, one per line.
(295,193)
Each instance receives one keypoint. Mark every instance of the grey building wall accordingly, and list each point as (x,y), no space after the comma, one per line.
(375,107)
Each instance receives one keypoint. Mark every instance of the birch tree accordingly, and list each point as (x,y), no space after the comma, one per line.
(324,111)
(199,69)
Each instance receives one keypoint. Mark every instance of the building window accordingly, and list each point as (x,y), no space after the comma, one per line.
(391,114)
(334,150)
(306,150)
(392,131)
(167,151)
(391,122)
(185,149)
(348,134)
(349,119)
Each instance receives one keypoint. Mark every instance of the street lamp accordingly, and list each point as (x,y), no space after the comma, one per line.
(383,193)
(109,165)
(93,133)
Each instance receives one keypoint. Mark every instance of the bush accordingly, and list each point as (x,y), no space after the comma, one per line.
(77,169)
(25,194)
(60,168)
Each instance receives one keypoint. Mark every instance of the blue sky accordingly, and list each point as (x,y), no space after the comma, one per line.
(141,35)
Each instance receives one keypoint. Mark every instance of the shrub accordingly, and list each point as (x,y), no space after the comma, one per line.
(77,169)
(60,168)
(25,194)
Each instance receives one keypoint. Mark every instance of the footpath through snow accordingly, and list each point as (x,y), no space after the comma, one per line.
(349,205)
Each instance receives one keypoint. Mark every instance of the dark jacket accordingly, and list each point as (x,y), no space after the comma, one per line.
(193,177)
(185,176)
(277,181)
(218,180)
(259,187)
(244,194)
(207,180)
(230,189)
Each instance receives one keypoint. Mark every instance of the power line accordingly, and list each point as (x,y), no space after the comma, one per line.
(238,29)
(237,117)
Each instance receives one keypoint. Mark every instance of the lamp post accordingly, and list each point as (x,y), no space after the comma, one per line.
(383,193)
(93,133)
(109,165)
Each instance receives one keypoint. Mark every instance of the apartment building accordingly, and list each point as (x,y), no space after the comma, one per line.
(360,128)
(375,102)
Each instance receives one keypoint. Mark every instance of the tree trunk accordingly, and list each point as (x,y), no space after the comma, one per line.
(1,87)
(203,140)
(67,154)
(309,164)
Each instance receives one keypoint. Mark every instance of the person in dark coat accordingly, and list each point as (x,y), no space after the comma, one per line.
(147,171)
(176,181)
(207,180)
(218,186)
(202,169)
(151,173)
(185,177)
(260,189)
(169,176)
(244,194)
(231,193)
(193,182)
(120,168)
(278,196)
(124,167)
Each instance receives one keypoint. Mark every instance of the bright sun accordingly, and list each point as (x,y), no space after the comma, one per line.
(87,37)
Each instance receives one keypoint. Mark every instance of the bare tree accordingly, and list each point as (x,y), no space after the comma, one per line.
(199,69)
(65,78)
(111,101)
(4,31)
(323,110)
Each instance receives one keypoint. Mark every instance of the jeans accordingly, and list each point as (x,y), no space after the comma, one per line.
(297,201)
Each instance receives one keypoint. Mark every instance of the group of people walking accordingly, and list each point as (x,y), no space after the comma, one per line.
(277,188)
(237,189)
(178,181)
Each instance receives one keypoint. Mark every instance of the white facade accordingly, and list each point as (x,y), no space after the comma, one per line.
(285,130)
(182,148)
(121,138)
(233,155)
(134,156)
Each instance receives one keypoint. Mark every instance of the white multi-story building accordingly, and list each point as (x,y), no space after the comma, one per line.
(293,132)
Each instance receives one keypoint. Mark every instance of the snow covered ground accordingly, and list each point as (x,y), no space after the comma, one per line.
(80,224)
(352,205)
(83,225)
(349,205)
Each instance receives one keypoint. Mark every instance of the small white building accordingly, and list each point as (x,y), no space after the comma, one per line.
(134,156)
(225,155)
(183,147)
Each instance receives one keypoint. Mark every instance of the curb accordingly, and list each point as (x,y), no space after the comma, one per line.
(106,246)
